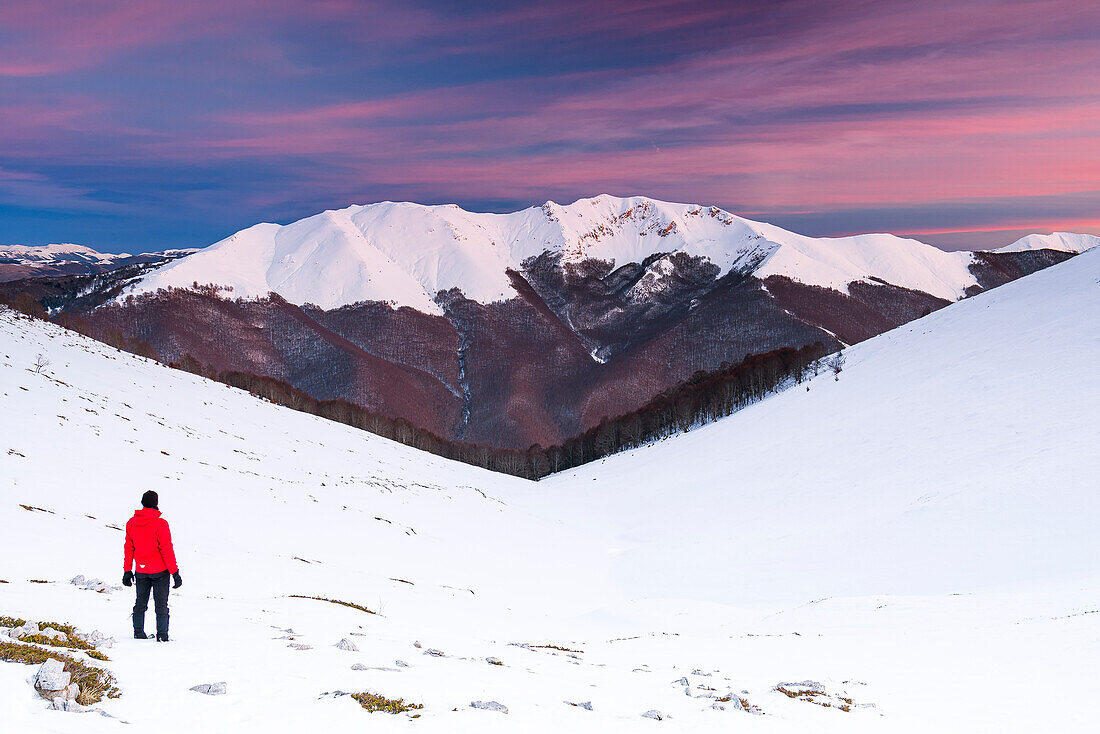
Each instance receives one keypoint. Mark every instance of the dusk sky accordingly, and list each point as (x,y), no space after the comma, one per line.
(167,123)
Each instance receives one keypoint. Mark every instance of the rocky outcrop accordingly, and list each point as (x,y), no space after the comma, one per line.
(489,706)
(53,682)
(210,689)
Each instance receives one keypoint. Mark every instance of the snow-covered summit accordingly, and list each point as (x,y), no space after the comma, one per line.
(407,253)
(1064,241)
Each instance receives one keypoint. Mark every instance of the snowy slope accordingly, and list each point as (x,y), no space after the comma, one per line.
(1064,241)
(918,535)
(956,452)
(407,253)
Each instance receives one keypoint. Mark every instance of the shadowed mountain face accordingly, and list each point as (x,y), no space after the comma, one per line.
(575,342)
(509,329)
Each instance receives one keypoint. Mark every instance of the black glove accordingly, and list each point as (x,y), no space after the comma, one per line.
(176,580)
(128,578)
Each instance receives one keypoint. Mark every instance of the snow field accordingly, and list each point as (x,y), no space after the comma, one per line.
(918,535)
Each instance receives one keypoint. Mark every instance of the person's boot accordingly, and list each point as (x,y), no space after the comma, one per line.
(162,637)
(140,635)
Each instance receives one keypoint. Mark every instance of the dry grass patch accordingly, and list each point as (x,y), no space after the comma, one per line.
(554,647)
(816,696)
(334,601)
(70,644)
(745,705)
(94,683)
(373,702)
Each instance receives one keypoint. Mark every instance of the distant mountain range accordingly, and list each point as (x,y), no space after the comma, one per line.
(25,261)
(530,327)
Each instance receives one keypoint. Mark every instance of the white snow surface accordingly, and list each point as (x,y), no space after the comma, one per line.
(406,253)
(1064,241)
(68,252)
(918,535)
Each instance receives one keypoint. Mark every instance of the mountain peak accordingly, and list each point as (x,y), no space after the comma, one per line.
(406,253)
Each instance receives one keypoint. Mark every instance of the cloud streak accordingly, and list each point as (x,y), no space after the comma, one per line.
(856,116)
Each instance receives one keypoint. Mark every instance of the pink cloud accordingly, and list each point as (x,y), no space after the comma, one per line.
(875,104)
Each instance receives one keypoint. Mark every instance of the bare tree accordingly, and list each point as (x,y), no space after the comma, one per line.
(836,363)
(41,362)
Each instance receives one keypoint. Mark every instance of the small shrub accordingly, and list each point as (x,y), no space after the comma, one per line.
(373,702)
(11,622)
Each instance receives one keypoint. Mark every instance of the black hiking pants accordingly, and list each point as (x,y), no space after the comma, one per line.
(158,584)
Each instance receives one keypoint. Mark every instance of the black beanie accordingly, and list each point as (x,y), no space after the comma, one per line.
(149,499)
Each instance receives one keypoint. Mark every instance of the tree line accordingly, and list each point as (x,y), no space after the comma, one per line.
(703,398)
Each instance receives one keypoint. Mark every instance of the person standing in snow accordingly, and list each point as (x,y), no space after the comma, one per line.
(149,545)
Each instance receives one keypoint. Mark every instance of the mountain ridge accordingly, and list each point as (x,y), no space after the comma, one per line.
(406,254)
(511,330)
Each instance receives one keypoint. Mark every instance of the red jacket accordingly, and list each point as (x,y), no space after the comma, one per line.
(149,543)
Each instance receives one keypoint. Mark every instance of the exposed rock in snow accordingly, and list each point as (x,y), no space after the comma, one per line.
(654,714)
(346,644)
(29,628)
(434,653)
(400,663)
(359,666)
(586,705)
(300,646)
(210,689)
(730,701)
(53,634)
(806,686)
(489,706)
(493,661)
(52,681)
(96,585)
(63,703)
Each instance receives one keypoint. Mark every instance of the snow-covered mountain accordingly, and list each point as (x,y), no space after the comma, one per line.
(25,261)
(525,328)
(56,253)
(916,537)
(406,254)
(32,261)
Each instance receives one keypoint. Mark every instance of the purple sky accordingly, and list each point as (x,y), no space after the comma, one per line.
(149,124)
